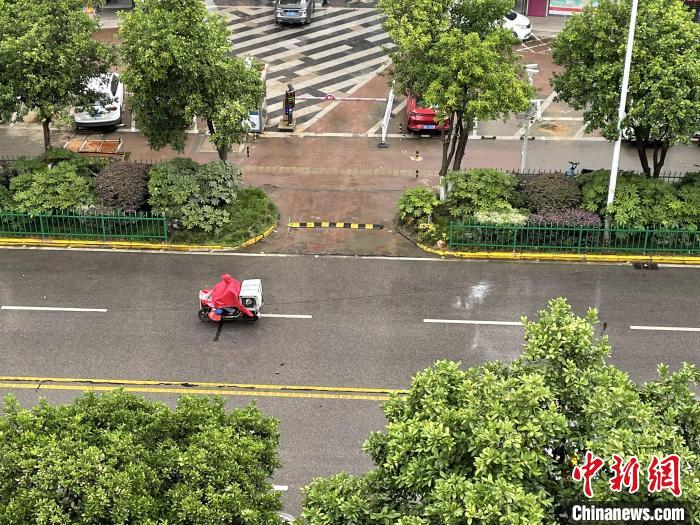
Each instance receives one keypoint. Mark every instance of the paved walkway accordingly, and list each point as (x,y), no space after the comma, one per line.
(341,179)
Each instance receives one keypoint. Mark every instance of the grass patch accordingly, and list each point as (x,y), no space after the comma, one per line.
(251,214)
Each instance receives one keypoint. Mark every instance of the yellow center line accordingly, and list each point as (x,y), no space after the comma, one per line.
(188,386)
(190,391)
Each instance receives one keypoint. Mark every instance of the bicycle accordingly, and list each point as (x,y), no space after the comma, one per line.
(571,172)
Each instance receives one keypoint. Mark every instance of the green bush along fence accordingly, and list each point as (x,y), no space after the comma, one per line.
(574,239)
(77,225)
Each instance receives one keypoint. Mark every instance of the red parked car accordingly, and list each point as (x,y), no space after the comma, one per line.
(420,118)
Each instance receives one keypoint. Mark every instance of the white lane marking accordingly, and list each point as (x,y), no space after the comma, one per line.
(53,309)
(281,488)
(666,328)
(468,321)
(287,316)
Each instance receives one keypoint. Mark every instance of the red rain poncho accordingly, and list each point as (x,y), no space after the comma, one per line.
(225,294)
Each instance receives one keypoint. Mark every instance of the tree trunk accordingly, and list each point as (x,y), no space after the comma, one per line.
(449,143)
(659,162)
(223,152)
(47,133)
(445,144)
(642,152)
(465,129)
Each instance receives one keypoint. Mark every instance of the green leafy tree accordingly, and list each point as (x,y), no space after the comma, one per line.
(180,65)
(663,101)
(455,57)
(498,443)
(47,58)
(117,458)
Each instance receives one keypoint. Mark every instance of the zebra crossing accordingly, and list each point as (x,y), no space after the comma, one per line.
(339,51)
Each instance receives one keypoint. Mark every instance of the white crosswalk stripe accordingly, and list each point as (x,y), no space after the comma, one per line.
(339,50)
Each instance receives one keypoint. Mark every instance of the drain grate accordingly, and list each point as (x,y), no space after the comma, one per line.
(645,266)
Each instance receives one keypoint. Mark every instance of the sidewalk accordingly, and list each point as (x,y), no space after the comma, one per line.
(547,26)
(348,179)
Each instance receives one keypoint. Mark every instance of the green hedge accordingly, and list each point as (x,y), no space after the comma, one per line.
(494,197)
(203,202)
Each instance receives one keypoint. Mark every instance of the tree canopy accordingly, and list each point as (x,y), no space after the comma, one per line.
(499,443)
(663,100)
(117,458)
(180,65)
(454,55)
(47,58)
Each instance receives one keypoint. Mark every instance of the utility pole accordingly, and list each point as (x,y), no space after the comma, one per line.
(530,69)
(621,110)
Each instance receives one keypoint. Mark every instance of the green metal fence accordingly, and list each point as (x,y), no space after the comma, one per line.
(574,239)
(77,225)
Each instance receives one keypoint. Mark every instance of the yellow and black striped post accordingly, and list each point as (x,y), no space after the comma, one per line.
(330,224)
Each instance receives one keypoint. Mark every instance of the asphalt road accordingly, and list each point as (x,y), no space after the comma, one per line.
(366,330)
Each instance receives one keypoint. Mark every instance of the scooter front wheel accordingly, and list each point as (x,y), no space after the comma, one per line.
(203,315)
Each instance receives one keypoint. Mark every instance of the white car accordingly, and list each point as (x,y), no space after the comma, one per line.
(519,24)
(107,110)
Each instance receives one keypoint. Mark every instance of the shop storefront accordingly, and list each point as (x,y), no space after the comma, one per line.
(557,7)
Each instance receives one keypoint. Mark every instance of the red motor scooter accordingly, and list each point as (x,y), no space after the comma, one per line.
(230,300)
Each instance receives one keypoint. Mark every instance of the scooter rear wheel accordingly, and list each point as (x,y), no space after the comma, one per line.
(203,315)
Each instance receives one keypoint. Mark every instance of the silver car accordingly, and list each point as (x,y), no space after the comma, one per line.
(294,11)
(107,109)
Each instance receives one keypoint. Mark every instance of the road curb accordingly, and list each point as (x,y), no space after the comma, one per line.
(565,257)
(123,245)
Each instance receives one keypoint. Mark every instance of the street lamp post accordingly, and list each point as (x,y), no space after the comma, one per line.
(623,103)
(530,69)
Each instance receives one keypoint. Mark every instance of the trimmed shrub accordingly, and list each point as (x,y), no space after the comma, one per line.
(431,233)
(122,185)
(56,188)
(18,167)
(84,166)
(549,192)
(251,214)
(690,179)
(570,217)
(6,202)
(478,190)
(501,217)
(416,205)
(689,210)
(219,181)
(640,201)
(194,196)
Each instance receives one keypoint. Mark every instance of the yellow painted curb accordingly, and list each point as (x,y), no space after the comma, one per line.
(569,257)
(192,391)
(185,387)
(75,243)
